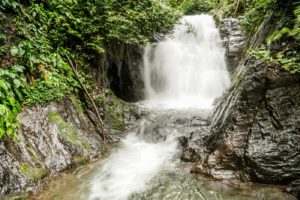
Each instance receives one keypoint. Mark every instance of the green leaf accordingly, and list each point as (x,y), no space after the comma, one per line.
(14,51)
(10,132)
(1,132)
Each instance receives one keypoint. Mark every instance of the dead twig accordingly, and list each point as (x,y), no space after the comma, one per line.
(102,134)
(237,8)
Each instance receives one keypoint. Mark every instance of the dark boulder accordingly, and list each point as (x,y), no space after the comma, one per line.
(120,68)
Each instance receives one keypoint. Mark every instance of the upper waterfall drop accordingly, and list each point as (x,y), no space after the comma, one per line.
(188,68)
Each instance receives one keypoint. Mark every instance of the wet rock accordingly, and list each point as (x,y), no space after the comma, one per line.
(199,122)
(181,121)
(193,145)
(234,42)
(183,141)
(2,149)
(294,188)
(190,155)
(120,68)
(51,138)
(255,129)
(198,169)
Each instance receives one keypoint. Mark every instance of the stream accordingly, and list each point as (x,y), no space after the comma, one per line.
(146,165)
(183,74)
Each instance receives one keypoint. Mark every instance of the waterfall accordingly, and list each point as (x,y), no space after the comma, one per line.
(184,71)
(188,68)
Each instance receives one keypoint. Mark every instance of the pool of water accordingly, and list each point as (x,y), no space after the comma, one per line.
(169,184)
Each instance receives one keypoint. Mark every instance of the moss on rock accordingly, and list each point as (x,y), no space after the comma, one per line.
(67,131)
(78,160)
(33,173)
(77,104)
(114,109)
(17,196)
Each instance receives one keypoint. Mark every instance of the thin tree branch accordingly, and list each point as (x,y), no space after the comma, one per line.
(102,134)
(237,8)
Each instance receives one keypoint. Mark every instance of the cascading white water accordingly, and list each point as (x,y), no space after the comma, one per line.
(128,170)
(188,68)
(185,70)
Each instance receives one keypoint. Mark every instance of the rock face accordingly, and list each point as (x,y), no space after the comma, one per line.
(255,129)
(234,42)
(51,138)
(193,144)
(120,69)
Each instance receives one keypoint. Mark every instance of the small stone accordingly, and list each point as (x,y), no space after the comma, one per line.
(190,155)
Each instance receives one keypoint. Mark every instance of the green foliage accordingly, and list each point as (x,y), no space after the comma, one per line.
(283,44)
(222,9)
(9,4)
(192,6)
(286,40)
(261,53)
(3,48)
(294,31)
(255,12)
(251,12)
(12,83)
(125,20)
(277,35)
(290,61)
(54,88)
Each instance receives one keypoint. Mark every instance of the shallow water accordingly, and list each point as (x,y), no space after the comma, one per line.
(146,165)
(168,184)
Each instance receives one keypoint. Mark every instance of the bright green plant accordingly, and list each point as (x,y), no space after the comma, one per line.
(290,63)
(293,31)
(12,83)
